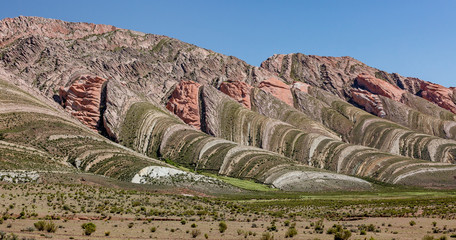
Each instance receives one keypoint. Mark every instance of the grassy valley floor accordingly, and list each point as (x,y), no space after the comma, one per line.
(130,211)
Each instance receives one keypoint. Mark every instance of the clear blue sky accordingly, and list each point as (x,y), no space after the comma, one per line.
(411,37)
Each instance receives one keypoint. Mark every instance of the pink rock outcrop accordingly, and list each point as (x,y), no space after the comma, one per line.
(184,103)
(440,95)
(82,99)
(380,87)
(239,91)
(369,101)
(278,89)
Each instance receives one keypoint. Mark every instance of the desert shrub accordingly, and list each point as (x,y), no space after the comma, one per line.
(193,225)
(222,226)
(412,223)
(291,232)
(40,225)
(183,222)
(130,225)
(50,227)
(318,226)
(343,235)
(195,233)
(89,228)
(153,229)
(267,236)
(107,234)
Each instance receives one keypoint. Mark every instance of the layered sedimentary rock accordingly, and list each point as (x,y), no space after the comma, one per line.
(231,121)
(440,95)
(372,131)
(333,74)
(239,91)
(14,28)
(39,136)
(380,87)
(154,132)
(277,88)
(184,103)
(82,99)
(370,102)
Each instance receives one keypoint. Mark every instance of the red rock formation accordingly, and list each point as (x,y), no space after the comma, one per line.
(380,87)
(303,87)
(239,91)
(82,99)
(184,103)
(369,101)
(278,89)
(440,95)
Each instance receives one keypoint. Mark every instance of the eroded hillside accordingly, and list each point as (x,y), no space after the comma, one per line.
(96,98)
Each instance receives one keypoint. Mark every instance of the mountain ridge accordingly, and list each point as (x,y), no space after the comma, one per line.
(134,88)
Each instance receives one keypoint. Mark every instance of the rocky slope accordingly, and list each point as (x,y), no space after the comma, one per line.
(298,122)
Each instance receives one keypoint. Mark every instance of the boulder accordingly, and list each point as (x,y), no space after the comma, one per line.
(184,103)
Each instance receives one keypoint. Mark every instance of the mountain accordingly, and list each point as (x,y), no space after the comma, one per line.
(93,98)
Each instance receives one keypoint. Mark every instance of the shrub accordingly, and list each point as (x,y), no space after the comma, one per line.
(89,228)
(343,235)
(291,232)
(193,225)
(195,233)
(222,226)
(153,229)
(183,222)
(40,225)
(107,234)
(130,225)
(267,236)
(50,227)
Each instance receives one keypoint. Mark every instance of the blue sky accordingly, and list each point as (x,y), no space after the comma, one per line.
(411,37)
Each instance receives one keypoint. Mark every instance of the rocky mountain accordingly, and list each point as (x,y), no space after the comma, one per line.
(123,104)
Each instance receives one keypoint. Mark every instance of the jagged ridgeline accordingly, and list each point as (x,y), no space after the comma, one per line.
(38,137)
(229,120)
(152,131)
(372,131)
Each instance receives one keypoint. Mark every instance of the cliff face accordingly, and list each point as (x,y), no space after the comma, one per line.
(296,113)
(184,103)
(83,99)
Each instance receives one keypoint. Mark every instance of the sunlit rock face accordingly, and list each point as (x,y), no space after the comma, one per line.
(82,99)
(184,103)
(440,95)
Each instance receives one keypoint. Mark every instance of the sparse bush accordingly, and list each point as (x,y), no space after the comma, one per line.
(195,233)
(89,228)
(183,222)
(343,235)
(107,234)
(130,225)
(291,232)
(193,225)
(222,227)
(153,229)
(40,225)
(50,227)
(267,236)
(412,223)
